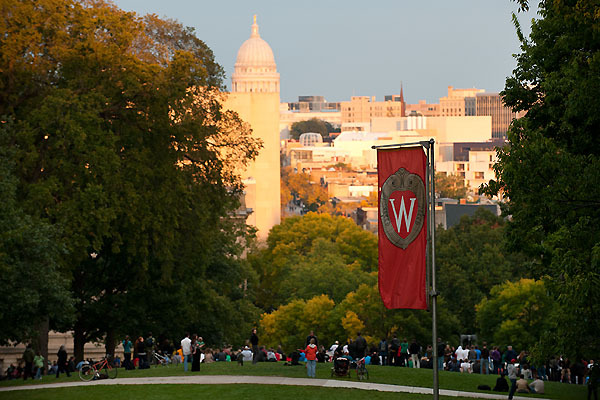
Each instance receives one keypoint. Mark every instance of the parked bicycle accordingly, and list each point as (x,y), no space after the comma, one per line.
(101,369)
(159,359)
(361,369)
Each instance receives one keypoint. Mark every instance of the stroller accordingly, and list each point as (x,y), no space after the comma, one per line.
(341,367)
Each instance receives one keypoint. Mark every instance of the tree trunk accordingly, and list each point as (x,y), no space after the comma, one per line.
(79,341)
(42,339)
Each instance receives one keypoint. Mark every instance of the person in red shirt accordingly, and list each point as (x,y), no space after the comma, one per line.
(311,358)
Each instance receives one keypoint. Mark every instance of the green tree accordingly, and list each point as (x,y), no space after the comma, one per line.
(314,254)
(121,143)
(450,186)
(312,125)
(471,259)
(290,324)
(519,313)
(549,169)
(33,289)
(365,302)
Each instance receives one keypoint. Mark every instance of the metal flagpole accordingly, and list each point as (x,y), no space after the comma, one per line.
(436,383)
(428,250)
(429,145)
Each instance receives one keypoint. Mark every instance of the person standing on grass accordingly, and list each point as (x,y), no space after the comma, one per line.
(254,342)
(403,359)
(62,361)
(38,364)
(196,348)
(593,380)
(485,360)
(383,350)
(186,349)
(513,372)
(311,358)
(312,336)
(413,349)
(440,349)
(28,356)
(141,353)
(127,346)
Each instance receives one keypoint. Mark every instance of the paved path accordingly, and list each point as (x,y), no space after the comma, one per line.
(265,380)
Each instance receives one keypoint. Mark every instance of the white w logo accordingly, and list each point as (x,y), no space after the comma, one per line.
(402,213)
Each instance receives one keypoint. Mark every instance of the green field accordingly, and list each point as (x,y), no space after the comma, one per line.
(378,374)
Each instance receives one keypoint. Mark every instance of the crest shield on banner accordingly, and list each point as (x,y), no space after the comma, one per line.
(402,227)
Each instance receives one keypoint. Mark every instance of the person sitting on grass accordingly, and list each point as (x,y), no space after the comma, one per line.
(501,384)
(271,356)
(465,366)
(537,386)
(522,386)
(347,356)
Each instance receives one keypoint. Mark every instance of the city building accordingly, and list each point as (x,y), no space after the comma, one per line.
(422,108)
(454,104)
(360,109)
(473,161)
(255,97)
(313,104)
(491,104)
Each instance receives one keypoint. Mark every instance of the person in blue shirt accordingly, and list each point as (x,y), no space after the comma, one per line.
(127,346)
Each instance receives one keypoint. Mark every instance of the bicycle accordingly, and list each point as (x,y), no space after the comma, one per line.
(361,370)
(159,359)
(96,370)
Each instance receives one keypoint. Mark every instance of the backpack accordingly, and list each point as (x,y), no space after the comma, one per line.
(383,345)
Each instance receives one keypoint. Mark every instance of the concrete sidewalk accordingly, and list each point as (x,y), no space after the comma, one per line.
(266,380)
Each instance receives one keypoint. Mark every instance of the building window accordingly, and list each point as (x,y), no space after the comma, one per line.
(478,175)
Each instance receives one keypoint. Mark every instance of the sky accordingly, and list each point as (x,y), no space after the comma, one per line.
(340,49)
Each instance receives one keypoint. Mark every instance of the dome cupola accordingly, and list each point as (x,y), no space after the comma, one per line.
(255,68)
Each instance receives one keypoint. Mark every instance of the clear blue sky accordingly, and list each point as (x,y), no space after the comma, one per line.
(342,48)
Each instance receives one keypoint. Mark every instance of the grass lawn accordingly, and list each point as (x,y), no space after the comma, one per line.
(220,392)
(377,374)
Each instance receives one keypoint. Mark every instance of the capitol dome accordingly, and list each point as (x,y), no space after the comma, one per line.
(255,68)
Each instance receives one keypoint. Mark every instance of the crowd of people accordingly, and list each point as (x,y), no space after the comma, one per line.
(523,375)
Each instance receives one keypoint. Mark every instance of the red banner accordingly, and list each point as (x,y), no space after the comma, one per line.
(402,227)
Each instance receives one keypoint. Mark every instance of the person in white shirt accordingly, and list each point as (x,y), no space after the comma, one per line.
(186,349)
(537,386)
(333,348)
(247,354)
(465,366)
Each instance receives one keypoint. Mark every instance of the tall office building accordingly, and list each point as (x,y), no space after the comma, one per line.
(502,116)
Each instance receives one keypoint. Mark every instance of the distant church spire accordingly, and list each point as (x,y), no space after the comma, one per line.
(254,28)
(403,113)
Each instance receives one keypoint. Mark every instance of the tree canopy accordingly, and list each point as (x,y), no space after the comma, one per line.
(519,313)
(312,125)
(548,171)
(471,259)
(312,255)
(450,186)
(297,187)
(120,142)
(32,286)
